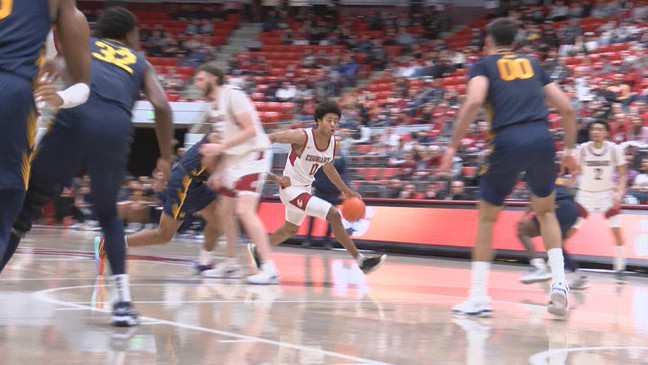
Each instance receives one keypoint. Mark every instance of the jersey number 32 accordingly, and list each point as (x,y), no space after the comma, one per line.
(121,57)
(513,69)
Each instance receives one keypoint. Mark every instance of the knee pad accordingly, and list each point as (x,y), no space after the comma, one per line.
(32,208)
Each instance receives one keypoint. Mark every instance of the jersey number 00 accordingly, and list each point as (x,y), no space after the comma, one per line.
(519,68)
(6,6)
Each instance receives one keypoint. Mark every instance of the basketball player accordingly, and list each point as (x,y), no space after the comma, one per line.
(599,190)
(311,149)
(24,26)
(515,89)
(567,213)
(96,136)
(186,193)
(239,154)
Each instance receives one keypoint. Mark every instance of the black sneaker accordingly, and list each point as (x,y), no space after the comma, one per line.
(369,264)
(124,315)
(255,255)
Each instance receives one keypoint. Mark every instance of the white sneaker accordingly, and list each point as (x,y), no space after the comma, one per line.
(267,276)
(536,276)
(228,269)
(558,299)
(478,307)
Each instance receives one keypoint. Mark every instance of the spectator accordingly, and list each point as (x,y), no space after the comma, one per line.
(287,92)
(207,27)
(457,191)
(193,27)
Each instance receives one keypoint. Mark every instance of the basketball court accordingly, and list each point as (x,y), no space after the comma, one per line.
(55,310)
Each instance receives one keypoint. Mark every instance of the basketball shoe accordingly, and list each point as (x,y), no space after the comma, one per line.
(476,307)
(124,315)
(371,264)
(558,304)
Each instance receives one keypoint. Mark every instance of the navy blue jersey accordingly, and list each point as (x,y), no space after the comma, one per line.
(24,25)
(117,72)
(515,89)
(563,193)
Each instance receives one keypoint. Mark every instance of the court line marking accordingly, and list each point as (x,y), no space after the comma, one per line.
(43,296)
(272,301)
(540,357)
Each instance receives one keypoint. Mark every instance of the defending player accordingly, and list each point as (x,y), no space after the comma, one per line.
(311,149)
(567,213)
(24,25)
(242,149)
(599,189)
(96,136)
(186,193)
(515,89)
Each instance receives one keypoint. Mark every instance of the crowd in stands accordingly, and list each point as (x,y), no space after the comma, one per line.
(394,128)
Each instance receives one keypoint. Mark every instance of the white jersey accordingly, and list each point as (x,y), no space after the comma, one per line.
(301,166)
(232,101)
(598,166)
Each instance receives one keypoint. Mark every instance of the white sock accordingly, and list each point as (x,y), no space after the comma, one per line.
(539,264)
(205,257)
(479,278)
(122,287)
(619,260)
(268,267)
(126,241)
(557,264)
(360,258)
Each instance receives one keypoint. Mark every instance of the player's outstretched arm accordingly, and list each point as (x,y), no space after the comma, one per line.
(296,137)
(476,95)
(336,179)
(163,118)
(557,99)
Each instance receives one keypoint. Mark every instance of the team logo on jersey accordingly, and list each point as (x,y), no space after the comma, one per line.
(300,203)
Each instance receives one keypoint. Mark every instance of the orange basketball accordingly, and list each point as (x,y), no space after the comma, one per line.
(353,209)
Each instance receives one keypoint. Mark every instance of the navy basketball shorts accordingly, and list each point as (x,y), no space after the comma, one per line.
(18,124)
(526,147)
(187,192)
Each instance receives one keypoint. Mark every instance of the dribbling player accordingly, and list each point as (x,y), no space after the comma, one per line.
(312,149)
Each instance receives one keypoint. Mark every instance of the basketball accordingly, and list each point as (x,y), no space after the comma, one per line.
(353,209)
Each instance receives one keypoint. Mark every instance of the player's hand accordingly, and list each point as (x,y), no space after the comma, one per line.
(211,149)
(214,182)
(163,167)
(446,160)
(283,181)
(568,164)
(617,199)
(47,91)
(350,194)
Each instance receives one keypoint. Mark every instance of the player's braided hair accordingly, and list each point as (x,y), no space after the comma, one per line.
(115,23)
(326,107)
(214,69)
